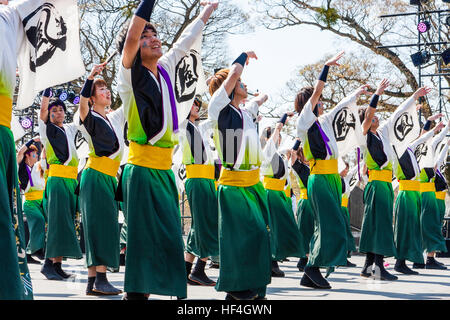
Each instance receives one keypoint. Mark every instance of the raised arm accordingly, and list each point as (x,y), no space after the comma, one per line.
(236,71)
(370,111)
(24,148)
(43,115)
(87,90)
(140,18)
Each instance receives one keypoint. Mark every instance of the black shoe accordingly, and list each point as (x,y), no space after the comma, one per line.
(102,285)
(134,296)
(61,272)
(201,279)
(285,260)
(276,272)
(418,265)
(302,264)
(49,271)
(40,254)
(214,265)
(307,282)
(350,264)
(366,272)
(316,277)
(241,295)
(31,260)
(400,266)
(379,272)
(432,264)
(122,259)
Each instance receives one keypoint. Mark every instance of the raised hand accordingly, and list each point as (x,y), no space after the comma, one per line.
(250,55)
(97,69)
(434,117)
(438,127)
(422,91)
(382,86)
(333,61)
(213,4)
(362,89)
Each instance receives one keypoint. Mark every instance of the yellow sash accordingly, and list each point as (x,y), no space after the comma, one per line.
(58,170)
(303,193)
(104,165)
(34,195)
(324,166)
(409,185)
(344,202)
(380,175)
(288,192)
(441,195)
(148,156)
(200,171)
(239,178)
(216,183)
(274,184)
(5,111)
(427,187)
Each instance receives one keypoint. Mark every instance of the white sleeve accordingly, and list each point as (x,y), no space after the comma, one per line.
(305,120)
(441,159)
(117,116)
(423,138)
(218,101)
(269,149)
(252,107)
(439,137)
(182,45)
(406,105)
(347,102)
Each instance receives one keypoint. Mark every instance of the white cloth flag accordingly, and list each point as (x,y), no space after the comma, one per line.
(347,129)
(189,80)
(51,53)
(405,127)
(16,128)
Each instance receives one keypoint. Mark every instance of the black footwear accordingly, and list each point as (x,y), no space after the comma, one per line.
(49,271)
(241,295)
(350,264)
(307,282)
(134,296)
(214,265)
(313,273)
(400,266)
(380,272)
(199,276)
(276,272)
(60,271)
(432,264)
(90,286)
(302,264)
(122,259)
(31,260)
(40,254)
(418,265)
(366,272)
(102,285)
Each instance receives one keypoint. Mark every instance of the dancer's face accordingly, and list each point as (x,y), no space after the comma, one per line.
(5,2)
(240,89)
(195,112)
(320,107)
(102,96)
(375,123)
(57,115)
(150,45)
(32,157)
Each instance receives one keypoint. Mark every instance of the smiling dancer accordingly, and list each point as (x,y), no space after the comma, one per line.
(98,183)
(150,196)
(202,239)
(315,130)
(275,171)
(244,242)
(377,234)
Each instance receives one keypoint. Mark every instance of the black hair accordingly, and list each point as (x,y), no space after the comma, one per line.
(57,102)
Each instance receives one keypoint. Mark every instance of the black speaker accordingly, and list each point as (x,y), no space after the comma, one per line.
(420,58)
(446,56)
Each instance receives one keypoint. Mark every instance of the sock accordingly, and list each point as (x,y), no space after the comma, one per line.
(188,267)
(90,283)
(199,267)
(101,277)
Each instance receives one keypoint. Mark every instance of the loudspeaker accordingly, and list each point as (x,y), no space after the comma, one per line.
(446,55)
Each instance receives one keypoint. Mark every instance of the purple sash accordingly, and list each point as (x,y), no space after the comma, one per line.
(359,170)
(325,138)
(29,175)
(173,105)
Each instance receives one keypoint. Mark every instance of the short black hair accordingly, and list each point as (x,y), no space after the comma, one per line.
(57,102)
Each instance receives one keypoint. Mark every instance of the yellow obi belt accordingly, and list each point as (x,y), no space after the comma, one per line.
(58,170)
(145,155)
(324,166)
(104,165)
(344,202)
(287,191)
(34,195)
(380,175)
(204,171)
(5,111)
(427,187)
(441,195)
(239,178)
(409,185)
(304,194)
(274,184)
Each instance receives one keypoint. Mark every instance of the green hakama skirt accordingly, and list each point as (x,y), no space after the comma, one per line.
(377,233)
(244,239)
(36,220)
(15,281)
(432,237)
(202,239)
(350,240)
(284,232)
(154,256)
(60,203)
(407,233)
(441,207)
(329,241)
(100,216)
(305,225)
